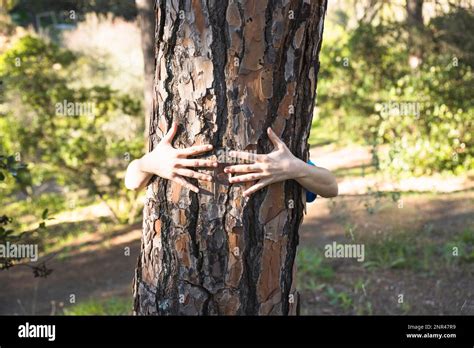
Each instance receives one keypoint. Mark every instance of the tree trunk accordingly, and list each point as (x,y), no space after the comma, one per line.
(415,26)
(226,70)
(146,22)
(415,12)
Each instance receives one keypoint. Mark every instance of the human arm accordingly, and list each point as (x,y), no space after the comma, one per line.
(169,163)
(280,165)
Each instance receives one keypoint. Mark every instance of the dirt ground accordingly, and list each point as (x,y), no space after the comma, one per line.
(96,272)
(103,266)
(444,289)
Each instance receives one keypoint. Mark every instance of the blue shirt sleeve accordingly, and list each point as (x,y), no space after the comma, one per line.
(310,196)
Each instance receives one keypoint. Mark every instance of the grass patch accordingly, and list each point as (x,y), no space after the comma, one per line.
(313,269)
(112,306)
(461,249)
(418,251)
(341,299)
(396,251)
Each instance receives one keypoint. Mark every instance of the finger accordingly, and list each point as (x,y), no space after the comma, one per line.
(180,180)
(194,150)
(242,168)
(276,141)
(187,162)
(258,186)
(171,133)
(192,174)
(247,177)
(244,155)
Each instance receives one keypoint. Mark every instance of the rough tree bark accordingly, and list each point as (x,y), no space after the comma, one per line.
(146,22)
(226,70)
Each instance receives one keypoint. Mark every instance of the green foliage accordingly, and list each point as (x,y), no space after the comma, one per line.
(10,167)
(24,11)
(368,92)
(7,5)
(18,170)
(111,306)
(339,298)
(418,252)
(398,252)
(74,136)
(461,249)
(312,268)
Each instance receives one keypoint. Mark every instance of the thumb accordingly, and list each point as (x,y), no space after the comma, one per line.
(277,142)
(171,133)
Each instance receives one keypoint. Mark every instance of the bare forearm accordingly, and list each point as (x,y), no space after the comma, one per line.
(169,163)
(136,178)
(316,179)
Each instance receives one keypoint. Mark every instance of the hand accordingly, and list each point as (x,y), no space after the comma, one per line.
(173,164)
(278,165)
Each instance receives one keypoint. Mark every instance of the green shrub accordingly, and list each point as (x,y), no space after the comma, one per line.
(368,93)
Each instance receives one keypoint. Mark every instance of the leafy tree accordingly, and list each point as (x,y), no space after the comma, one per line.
(423,112)
(11,168)
(25,12)
(72,135)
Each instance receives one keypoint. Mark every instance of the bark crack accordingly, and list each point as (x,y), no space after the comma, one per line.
(219,47)
(200,232)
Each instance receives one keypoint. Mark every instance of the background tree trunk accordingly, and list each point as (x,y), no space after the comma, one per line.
(415,12)
(146,22)
(226,70)
(414,9)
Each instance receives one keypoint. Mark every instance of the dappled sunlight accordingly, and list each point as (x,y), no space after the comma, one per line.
(381,102)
